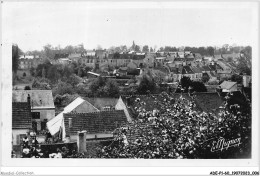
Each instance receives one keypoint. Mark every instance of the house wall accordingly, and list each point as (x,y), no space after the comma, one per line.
(138,62)
(25,63)
(16,135)
(246,80)
(45,113)
(120,105)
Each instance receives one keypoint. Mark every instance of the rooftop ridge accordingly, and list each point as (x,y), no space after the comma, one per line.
(94,112)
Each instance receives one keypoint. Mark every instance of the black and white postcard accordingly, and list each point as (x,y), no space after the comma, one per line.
(136,84)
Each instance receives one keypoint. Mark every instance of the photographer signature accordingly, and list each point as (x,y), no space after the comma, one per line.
(222,143)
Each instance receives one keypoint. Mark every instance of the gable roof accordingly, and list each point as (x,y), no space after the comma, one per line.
(196,69)
(175,70)
(218,66)
(198,56)
(39,98)
(179,59)
(100,103)
(189,57)
(187,70)
(56,123)
(95,122)
(218,56)
(227,85)
(21,115)
(205,68)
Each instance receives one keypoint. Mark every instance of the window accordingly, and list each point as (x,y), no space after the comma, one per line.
(35,115)
(43,124)
(107,108)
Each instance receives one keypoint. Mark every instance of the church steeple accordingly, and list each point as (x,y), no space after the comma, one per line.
(133,46)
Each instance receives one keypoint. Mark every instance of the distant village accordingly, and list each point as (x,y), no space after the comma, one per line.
(85,121)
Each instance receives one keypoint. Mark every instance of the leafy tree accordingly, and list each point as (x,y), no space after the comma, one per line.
(96,84)
(48,51)
(63,88)
(137,48)
(32,71)
(43,72)
(86,69)
(53,74)
(145,48)
(80,73)
(67,71)
(39,69)
(133,46)
(205,78)
(237,78)
(123,48)
(210,51)
(185,83)
(146,85)
(73,80)
(116,55)
(161,49)
(27,88)
(111,88)
(15,57)
(151,49)
(242,67)
(198,86)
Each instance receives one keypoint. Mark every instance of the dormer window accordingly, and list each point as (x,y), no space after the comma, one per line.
(107,108)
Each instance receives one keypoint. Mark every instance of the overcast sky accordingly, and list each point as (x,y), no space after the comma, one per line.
(33,25)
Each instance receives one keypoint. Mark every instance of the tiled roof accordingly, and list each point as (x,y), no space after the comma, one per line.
(212,74)
(39,98)
(218,56)
(208,101)
(152,101)
(187,70)
(218,67)
(175,70)
(179,59)
(21,115)
(95,122)
(205,68)
(196,69)
(198,56)
(232,64)
(227,84)
(189,57)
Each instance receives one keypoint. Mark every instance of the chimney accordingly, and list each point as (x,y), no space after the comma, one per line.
(81,141)
(70,122)
(29,99)
(127,101)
